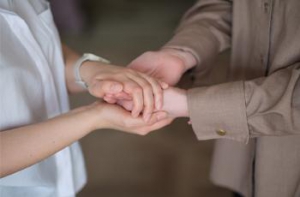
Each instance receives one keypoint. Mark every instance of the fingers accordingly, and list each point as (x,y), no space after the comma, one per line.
(113,98)
(110,99)
(126,84)
(128,105)
(132,91)
(102,87)
(148,95)
(123,96)
(120,119)
(159,124)
(132,88)
(163,85)
(135,125)
(157,116)
(157,91)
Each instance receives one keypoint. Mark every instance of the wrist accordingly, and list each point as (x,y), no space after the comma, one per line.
(89,69)
(183,107)
(175,102)
(86,60)
(91,116)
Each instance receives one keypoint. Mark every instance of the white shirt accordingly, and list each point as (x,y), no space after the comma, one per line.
(33,89)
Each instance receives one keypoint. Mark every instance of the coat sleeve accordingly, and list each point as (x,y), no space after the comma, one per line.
(267,106)
(208,22)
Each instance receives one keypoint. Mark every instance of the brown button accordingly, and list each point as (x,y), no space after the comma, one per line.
(221,132)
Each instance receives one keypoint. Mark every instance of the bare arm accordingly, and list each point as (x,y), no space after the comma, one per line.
(70,57)
(24,146)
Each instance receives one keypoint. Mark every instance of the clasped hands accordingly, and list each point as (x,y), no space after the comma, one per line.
(136,102)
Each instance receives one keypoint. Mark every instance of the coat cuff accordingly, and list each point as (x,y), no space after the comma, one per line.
(219,112)
(204,49)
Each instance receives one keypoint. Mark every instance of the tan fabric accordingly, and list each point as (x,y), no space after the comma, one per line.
(260,104)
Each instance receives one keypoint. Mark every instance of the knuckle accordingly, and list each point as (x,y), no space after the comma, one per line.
(159,91)
(128,71)
(147,87)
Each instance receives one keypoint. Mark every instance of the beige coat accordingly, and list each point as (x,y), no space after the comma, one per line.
(260,104)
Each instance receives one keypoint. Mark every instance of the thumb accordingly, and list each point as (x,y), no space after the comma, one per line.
(128,105)
(102,87)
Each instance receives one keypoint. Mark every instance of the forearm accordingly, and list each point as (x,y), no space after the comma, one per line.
(273,104)
(25,146)
(266,106)
(87,70)
(205,30)
(70,57)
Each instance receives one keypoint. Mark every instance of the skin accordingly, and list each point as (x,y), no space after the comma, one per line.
(27,145)
(24,146)
(175,103)
(167,65)
(110,81)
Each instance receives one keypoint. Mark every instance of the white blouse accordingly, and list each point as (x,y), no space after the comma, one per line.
(33,89)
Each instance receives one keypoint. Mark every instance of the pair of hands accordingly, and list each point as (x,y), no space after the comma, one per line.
(144,100)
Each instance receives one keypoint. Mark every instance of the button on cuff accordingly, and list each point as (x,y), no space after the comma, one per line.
(221,132)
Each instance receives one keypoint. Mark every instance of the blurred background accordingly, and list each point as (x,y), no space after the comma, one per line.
(166,163)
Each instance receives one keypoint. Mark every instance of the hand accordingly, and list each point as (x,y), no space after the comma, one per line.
(174,103)
(115,117)
(167,65)
(26,145)
(114,83)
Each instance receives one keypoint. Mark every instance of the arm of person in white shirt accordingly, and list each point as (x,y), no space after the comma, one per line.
(27,145)
(116,82)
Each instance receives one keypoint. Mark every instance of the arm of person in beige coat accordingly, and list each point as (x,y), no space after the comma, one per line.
(267,106)
(203,33)
(262,107)
(205,30)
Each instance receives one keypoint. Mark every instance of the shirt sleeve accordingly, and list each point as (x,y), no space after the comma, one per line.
(208,22)
(267,106)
